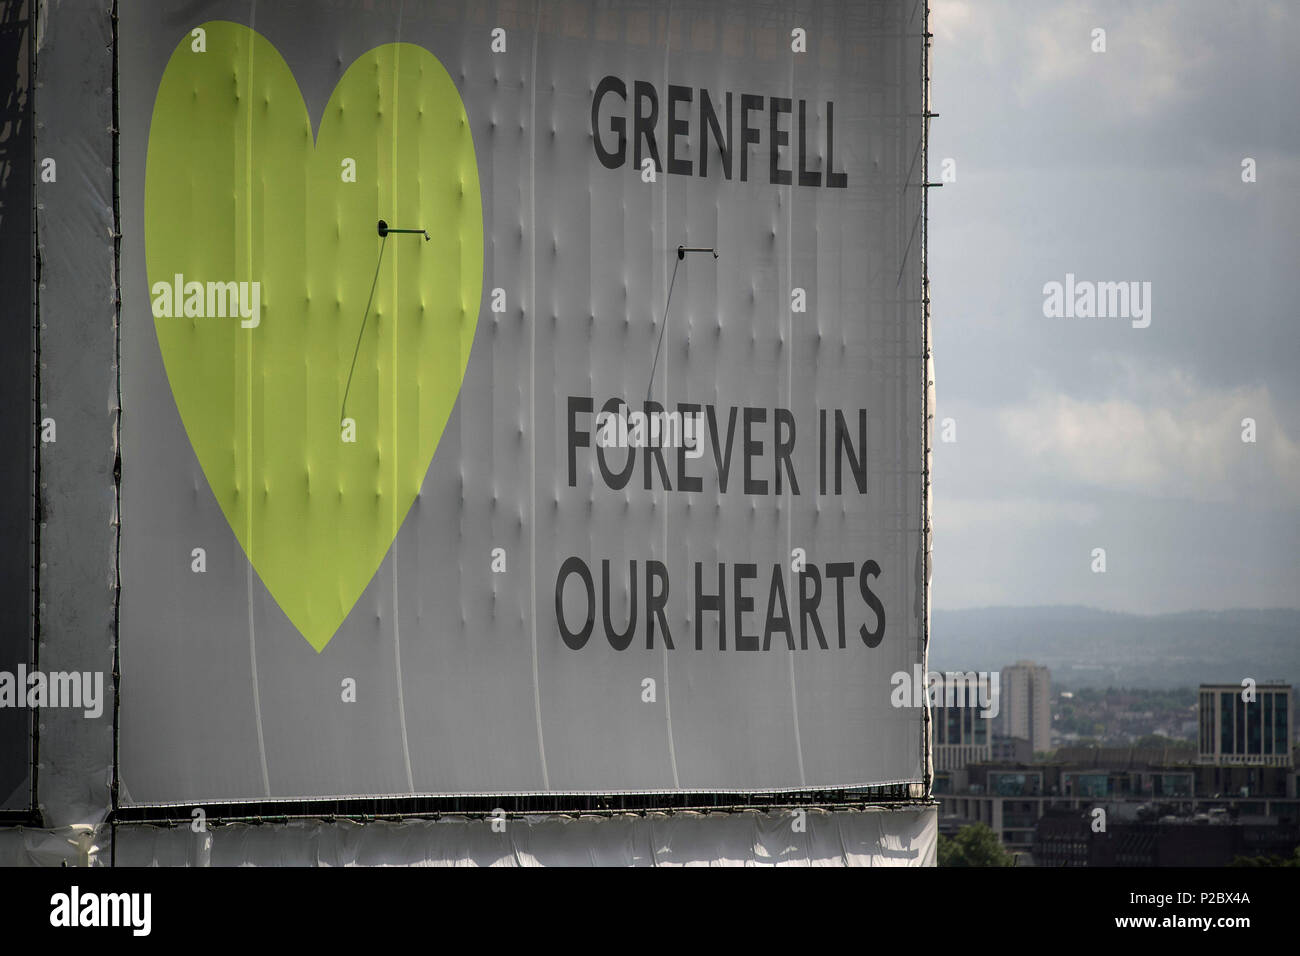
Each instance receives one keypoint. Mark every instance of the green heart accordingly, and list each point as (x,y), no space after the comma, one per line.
(237,191)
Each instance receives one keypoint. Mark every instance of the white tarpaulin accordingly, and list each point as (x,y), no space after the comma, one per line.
(368,535)
(840,838)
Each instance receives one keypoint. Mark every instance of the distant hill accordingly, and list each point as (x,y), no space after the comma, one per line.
(1085,647)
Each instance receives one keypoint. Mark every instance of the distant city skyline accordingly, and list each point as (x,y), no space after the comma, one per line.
(1092,648)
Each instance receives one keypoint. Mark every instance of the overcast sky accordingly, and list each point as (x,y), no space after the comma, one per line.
(1082,433)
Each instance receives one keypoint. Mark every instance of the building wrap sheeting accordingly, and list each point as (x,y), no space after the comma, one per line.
(841,838)
(78,396)
(371,541)
(500,592)
(17,352)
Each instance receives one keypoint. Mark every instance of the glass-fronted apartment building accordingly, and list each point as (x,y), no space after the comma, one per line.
(961,727)
(1234,730)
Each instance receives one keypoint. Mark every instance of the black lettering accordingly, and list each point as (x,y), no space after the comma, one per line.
(844,449)
(784,448)
(687,482)
(743,573)
(676,127)
(834,180)
(575,639)
(807,177)
(821,451)
(616,640)
(710,602)
(653,442)
(874,637)
(655,602)
(709,121)
(778,137)
(749,103)
(753,448)
(777,622)
(723,464)
(615,480)
(838,571)
(643,123)
(610,159)
(808,606)
(577,439)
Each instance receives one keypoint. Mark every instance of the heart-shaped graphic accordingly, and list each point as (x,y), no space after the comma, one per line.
(237,190)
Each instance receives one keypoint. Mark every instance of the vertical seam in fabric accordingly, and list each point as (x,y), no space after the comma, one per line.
(397,630)
(668,697)
(532,386)
(248,433)
(789,386)
(116,784)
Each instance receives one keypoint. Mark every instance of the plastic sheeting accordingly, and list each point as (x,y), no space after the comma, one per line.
(479,664)
(16,359)
(840,838)
(78,845)
(222,696)
(78,393)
